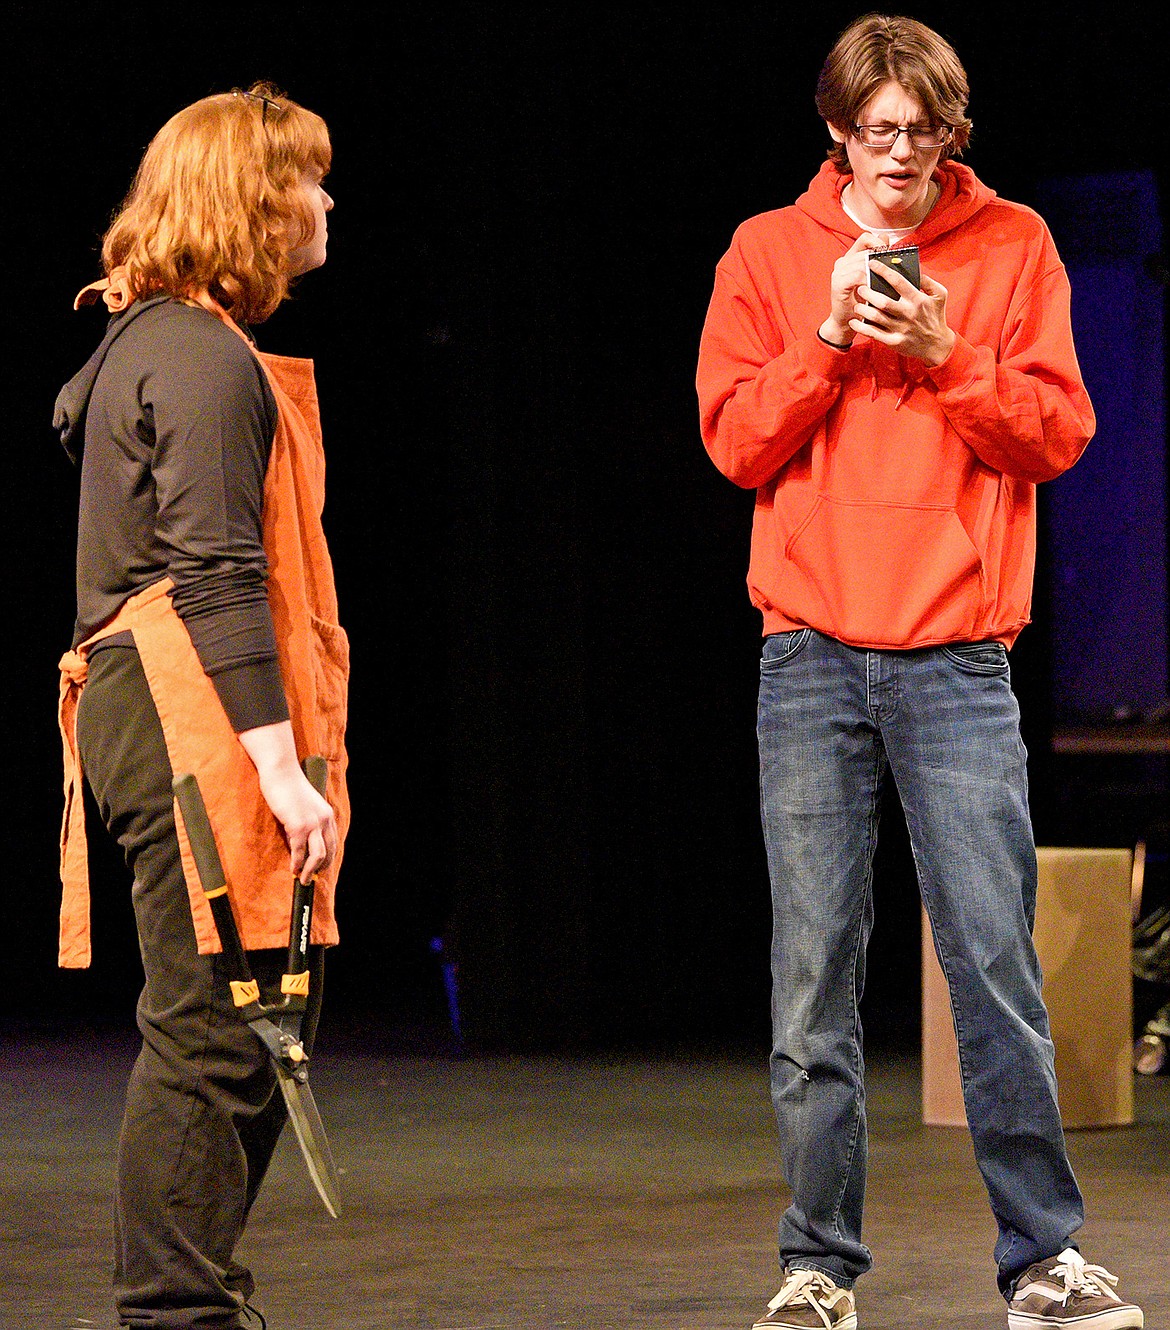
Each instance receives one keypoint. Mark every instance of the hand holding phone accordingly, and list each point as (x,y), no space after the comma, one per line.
(915,323)
(849,273)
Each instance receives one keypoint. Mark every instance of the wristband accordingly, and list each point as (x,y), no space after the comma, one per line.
(837,346)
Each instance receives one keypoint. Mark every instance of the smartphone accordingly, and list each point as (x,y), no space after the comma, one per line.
(903,260)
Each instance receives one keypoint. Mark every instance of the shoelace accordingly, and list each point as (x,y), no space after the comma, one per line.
(803,1286)
(1081,1278)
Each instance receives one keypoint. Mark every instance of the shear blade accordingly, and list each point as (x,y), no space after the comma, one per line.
(306,1121)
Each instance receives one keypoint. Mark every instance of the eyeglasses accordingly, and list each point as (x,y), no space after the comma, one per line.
(920,136)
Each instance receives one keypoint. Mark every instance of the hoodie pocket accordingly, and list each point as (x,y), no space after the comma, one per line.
(887,574)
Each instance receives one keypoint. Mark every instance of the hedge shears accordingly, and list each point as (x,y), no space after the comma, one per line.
(277,1024)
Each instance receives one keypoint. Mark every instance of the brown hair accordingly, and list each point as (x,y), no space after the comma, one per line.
(878,49)
(217,204)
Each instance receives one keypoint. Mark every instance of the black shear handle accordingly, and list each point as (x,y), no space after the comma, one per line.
(245,990)
(295,982)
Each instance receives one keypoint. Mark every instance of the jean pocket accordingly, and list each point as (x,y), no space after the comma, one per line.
(781,648)
(978,657)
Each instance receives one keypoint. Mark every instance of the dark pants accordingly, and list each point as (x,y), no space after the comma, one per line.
(202,1111)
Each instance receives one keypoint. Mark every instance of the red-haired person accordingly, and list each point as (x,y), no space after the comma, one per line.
(895,442)
(206,641)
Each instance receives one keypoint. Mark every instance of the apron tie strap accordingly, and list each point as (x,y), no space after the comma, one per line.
(114,290)
(74,950)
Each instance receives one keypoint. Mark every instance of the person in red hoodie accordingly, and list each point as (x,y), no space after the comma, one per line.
(895,442)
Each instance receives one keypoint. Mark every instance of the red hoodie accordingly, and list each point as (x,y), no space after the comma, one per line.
(896,502)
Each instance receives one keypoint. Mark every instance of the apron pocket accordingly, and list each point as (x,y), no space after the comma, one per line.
(331,682)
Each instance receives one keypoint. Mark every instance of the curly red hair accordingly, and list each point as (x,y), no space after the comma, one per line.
(217,204)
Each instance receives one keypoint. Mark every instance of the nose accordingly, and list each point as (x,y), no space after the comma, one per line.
(327,200)
(902,148)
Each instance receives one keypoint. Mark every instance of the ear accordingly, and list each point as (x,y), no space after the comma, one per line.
(839,135)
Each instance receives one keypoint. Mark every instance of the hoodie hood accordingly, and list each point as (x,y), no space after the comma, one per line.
(961,195)
(73,399)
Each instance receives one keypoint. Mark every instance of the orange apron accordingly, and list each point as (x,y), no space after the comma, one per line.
(314,662)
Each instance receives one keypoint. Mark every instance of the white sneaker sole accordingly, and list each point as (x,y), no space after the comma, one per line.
(1126,1317)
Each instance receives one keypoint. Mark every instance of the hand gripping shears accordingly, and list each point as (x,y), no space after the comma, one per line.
(276,1024)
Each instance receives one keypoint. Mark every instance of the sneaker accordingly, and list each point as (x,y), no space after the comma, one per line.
(1064,1291)
(809,1300)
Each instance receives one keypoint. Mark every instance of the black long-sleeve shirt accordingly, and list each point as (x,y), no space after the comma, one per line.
(179,423)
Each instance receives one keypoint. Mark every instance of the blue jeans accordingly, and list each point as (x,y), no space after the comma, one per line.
(944,722)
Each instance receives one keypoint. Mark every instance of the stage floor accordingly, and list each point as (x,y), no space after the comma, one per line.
(532,1194)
